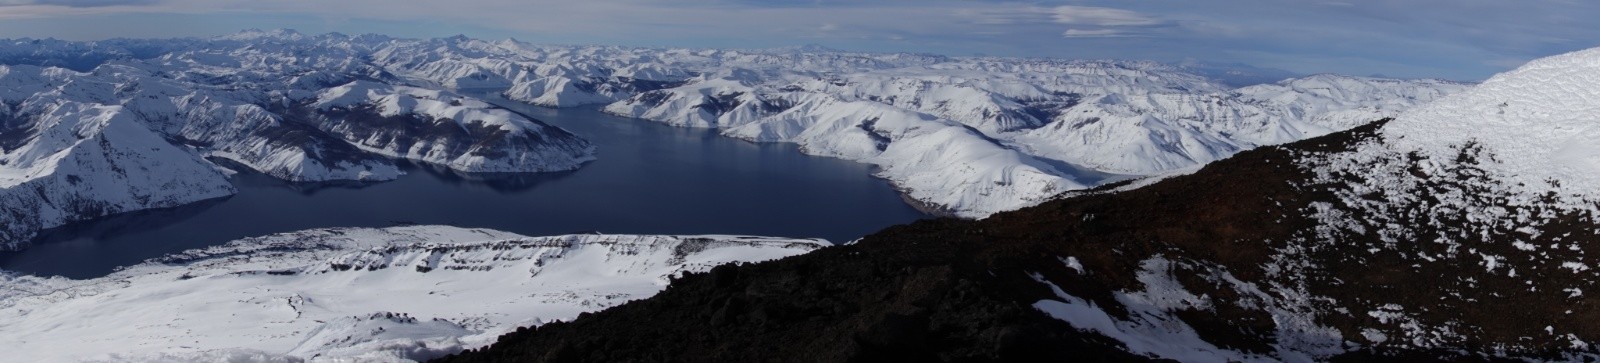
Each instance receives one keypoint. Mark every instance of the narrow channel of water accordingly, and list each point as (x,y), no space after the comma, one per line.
(650,179)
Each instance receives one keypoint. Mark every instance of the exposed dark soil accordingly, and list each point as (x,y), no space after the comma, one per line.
(957,290)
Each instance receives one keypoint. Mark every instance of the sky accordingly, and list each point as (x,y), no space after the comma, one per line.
(1451,39)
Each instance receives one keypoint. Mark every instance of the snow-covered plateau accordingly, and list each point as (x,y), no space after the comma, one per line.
(346,294)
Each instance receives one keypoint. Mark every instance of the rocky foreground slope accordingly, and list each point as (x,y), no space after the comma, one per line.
(1458,231)
(349,294)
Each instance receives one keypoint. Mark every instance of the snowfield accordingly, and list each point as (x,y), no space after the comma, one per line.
(345,294)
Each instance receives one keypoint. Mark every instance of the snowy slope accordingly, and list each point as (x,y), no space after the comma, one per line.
(1537,125)
(78,161)
(445,129)
(948,167)
(1488,195)
(1515,153)
(1457,231)
(1093,122)
(405,293)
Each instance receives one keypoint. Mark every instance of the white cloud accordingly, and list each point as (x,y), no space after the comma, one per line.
(1007,15)
(1095,33)
(1097,16)
(74,3)
(37,11)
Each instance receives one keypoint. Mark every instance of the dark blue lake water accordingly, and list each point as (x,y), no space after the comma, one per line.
(650,179)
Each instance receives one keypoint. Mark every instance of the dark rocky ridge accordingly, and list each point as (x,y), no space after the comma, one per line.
(955,290)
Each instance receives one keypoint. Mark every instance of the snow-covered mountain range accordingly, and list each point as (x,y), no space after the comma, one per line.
(394,294)
(94,128)
(136,133)
(1457,231)
(962,136)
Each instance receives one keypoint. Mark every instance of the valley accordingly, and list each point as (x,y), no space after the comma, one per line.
(648,179)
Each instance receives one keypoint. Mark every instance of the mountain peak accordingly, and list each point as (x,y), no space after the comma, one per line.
(1538,122)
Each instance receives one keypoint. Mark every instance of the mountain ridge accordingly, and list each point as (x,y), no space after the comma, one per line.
(1413,238)
(169,116)
(1028,284)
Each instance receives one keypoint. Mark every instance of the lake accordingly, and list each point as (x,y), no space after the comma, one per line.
(650,179)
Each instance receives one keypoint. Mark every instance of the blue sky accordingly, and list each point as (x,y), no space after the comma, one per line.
(1454,39)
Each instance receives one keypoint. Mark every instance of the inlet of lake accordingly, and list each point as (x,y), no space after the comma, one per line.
(649,178)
